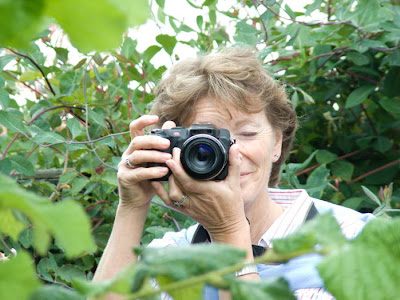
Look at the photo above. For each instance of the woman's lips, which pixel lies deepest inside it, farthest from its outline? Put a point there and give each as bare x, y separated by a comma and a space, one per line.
244, 174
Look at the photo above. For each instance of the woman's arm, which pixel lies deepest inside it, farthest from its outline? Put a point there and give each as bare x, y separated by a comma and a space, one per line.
126, 234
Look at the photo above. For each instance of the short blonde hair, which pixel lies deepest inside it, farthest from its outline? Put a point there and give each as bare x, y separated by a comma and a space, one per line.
233, 76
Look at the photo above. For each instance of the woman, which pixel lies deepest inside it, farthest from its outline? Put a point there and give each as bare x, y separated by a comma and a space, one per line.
229, 89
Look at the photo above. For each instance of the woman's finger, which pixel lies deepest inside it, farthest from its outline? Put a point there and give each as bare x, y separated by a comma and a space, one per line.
168, 125
161, 192
234, 164
148, 156
140, 174
144, 142
174, 191
182, 178
136, 127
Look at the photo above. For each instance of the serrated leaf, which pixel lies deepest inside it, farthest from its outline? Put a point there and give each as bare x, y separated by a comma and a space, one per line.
22, 165
342, 169
368, 267
72, 234
53, 292
18, 277
4, 98
359, 95
167, 42
268, 289
322, 231
191, 261
11, 122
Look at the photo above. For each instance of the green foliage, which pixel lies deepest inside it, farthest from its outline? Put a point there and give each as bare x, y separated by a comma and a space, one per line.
62, 144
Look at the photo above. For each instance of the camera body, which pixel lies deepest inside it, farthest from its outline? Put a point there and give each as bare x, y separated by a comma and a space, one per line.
204, 150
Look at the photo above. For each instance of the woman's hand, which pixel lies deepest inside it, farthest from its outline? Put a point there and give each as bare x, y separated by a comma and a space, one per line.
135, 189
217, 205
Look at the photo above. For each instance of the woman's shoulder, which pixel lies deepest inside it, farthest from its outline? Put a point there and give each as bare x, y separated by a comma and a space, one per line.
351, 221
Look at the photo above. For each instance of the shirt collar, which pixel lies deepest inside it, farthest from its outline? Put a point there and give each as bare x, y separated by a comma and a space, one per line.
296, 204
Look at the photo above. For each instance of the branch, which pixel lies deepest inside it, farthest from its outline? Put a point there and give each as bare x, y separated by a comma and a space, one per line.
314, 24
376, 170
361, 76
261, 20
25, 84
37, 66
35, 117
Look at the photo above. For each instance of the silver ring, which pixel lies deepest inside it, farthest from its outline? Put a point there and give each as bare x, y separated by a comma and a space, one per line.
183, 201
128, 163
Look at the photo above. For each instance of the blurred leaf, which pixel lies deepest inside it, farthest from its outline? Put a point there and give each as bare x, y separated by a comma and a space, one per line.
5, 166
191, 261
69, 272
312, 7
266, 289
75, 127
73, 234
9, 224
323, 230
382, 144
18, 277
19, 21
245, 33
136, 11
5, 59
54, 292
359, 95
375, 254
103, 32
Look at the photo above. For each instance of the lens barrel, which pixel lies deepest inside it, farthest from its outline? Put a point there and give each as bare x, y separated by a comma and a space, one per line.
203, 156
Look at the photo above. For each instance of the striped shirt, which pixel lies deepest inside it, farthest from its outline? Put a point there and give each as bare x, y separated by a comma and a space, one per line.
296, 204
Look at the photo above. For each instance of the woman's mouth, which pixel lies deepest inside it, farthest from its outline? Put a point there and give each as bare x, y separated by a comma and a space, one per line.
244, 174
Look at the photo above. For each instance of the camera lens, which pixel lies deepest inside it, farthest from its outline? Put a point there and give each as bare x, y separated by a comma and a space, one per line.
203, 156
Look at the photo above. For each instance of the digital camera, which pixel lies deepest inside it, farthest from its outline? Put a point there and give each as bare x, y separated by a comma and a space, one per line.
204, 150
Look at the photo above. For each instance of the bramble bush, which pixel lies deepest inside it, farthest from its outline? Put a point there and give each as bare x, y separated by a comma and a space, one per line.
340, 63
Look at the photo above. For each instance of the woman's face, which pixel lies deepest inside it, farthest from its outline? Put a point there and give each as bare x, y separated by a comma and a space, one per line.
257, 140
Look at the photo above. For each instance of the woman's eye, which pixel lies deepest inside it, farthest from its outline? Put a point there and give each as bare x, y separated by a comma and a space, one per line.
248, 133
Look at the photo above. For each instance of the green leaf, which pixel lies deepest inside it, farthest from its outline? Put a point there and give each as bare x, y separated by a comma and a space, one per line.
11, 122
48, 137
167, 42
382, 144
77, 185
22, 165
322, 230
297, 167
307, 97
5, 166
391, 105
19, 21
245, 33
368, 267
325, 157
103, 32
54, 292
358, 58
150, 52
359, 95
72, 234
313, 6
266, 289
317, 181
96, 117
5, 59
342, 169
136, 11
394, 58
18, 277
75, 127
68, 272
371, 195
200, 21
4, 98
187, 261
26, 238
391, 82
9, 225
193, 292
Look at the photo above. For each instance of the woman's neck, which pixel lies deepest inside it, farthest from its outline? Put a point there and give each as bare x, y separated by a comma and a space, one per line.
262, 214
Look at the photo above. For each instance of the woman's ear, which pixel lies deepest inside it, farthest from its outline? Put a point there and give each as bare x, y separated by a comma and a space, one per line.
277, 151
